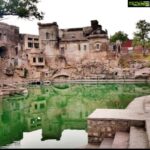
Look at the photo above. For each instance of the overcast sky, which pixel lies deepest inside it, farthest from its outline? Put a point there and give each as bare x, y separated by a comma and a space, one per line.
113, 15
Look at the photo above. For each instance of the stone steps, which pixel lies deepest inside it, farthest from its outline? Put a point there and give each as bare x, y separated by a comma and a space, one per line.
128, 128
106, 143
138, 138
121, 140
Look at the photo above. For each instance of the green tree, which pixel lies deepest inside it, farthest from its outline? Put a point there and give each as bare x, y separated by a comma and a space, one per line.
21, 8
120, 35
141, 37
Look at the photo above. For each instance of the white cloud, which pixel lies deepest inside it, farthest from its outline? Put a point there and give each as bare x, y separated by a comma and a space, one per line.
113, 15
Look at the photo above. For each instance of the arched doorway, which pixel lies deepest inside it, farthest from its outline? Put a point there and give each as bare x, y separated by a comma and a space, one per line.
3, 51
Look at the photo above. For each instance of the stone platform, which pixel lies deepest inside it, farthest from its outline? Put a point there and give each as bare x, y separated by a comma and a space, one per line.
121, 125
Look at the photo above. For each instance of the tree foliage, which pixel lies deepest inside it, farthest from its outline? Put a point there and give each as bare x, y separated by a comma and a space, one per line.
21, 8
120, 35
141, 37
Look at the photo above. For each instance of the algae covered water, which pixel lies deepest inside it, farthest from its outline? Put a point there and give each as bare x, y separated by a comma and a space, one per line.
55, 116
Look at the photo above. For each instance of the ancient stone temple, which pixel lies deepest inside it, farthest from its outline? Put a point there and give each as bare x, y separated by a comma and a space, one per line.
53, 50
72, 43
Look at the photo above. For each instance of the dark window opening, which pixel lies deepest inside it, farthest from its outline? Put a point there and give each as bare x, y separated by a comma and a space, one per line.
32, 121
35, 106
30, 39
97, 46
42, 106
85, 47
36, 45
16, 49
40, 59
34, 59
3, 52
73, 36
52, 35
30, 45
79, 47
16, 31
36, 39
47, 35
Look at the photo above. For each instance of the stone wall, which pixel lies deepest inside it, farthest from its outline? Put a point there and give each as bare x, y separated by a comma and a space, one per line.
48, 35
100, 129
75, 50
9, 39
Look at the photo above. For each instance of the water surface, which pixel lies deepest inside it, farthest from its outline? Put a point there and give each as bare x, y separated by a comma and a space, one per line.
55, 116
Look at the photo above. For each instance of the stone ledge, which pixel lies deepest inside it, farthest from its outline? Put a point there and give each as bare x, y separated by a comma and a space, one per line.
137, 104
116, 114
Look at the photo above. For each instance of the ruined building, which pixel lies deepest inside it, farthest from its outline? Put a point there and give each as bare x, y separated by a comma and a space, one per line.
53, 47
72, 43
31, 52
52, 41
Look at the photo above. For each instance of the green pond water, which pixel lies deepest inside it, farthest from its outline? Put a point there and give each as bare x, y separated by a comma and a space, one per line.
55, 116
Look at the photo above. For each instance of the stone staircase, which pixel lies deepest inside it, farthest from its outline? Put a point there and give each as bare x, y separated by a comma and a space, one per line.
136, 138
136, 135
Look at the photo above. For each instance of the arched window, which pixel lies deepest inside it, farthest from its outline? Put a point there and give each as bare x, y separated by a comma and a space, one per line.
98, 46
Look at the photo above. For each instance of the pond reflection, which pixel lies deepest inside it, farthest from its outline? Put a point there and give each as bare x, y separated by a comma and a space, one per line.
50, 112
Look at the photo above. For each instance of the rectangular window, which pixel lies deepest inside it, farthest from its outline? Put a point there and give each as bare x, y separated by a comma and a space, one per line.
30, 39
34, 59
97, 46
35, 106
40, 59
16, 49
36, 39
79, 47
52, 35
36, 45
42, 106
30, 45
85, 47
47, 35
